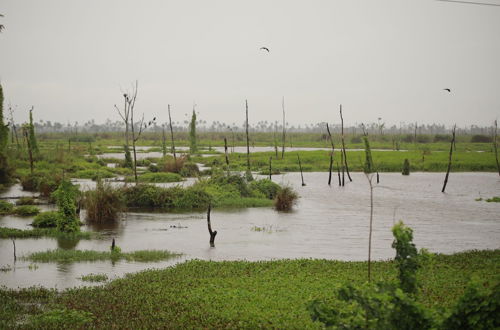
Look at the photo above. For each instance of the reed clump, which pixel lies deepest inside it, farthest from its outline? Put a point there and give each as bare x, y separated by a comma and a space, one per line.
285, 199
103, 204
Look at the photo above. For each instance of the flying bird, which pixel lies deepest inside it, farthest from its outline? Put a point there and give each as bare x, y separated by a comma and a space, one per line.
447, 89
265, 48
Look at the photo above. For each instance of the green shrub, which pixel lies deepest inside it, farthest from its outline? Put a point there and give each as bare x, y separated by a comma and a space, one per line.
65, 197
26, 210
6, 207
189, 170
285, 199
478, 308
479, 138
47, 219
265, 187
149, 196
194, 197
26, 200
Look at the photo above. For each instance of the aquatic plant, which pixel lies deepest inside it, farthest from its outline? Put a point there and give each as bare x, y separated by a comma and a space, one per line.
6, 207
47, 219
103, 204
26, 200
26, 210
285, 199
406, 167
68, 256
94, 277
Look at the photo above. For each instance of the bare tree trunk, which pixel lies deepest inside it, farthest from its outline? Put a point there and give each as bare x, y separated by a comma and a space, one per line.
343, 147
248, 141
495, 146
227, 158
300, 167
172, 134
212, 233
133, 147
338, 173
330, 169
163, 141
449, 158
331, 154
343, 168
270, 167
284, 129
14, 243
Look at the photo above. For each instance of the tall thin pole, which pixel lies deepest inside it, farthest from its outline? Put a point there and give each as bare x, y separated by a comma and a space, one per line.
449, 158
248, 141
343, 147
172, 134
284, 128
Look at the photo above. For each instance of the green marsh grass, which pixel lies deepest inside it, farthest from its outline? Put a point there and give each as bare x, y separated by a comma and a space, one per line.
69, 256
6, 232
240, 294
94, 278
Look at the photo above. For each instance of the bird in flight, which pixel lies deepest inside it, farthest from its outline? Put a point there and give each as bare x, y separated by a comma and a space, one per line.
447, 89
265, 48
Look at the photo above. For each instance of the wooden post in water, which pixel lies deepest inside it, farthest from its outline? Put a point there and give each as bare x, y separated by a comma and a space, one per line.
449, 158
343, 168
227, 157
212, 233
14, 243
338, 174
113, 245
331, 155
284, 129
300, 167
172, 134
248, 141
378, 178
495, 146
344, 162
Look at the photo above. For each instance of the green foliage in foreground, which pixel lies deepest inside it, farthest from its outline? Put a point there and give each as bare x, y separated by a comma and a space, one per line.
6, 232
241, 294
68, 256
392, 305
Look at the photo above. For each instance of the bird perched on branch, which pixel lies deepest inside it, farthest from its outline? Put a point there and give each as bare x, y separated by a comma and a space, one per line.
264, 48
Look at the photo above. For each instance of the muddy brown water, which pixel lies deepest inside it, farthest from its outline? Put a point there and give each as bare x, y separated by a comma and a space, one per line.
328, 222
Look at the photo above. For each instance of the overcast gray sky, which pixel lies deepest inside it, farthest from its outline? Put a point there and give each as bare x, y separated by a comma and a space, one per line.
379, 58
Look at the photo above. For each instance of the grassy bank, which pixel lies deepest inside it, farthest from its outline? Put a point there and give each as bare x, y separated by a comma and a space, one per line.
384, 161
204, 294
6, 232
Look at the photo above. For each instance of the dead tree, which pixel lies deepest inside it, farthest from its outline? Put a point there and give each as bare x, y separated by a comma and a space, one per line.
331, 155
495, 146
338, 173
212, 233
300, 167
163, 141
344, 163
128, 103
136, 135
275, 139
284, 129
172, 134
248, 140
227, 157
449, 158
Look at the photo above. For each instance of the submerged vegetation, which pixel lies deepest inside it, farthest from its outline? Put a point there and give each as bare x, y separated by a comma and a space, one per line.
272, 294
